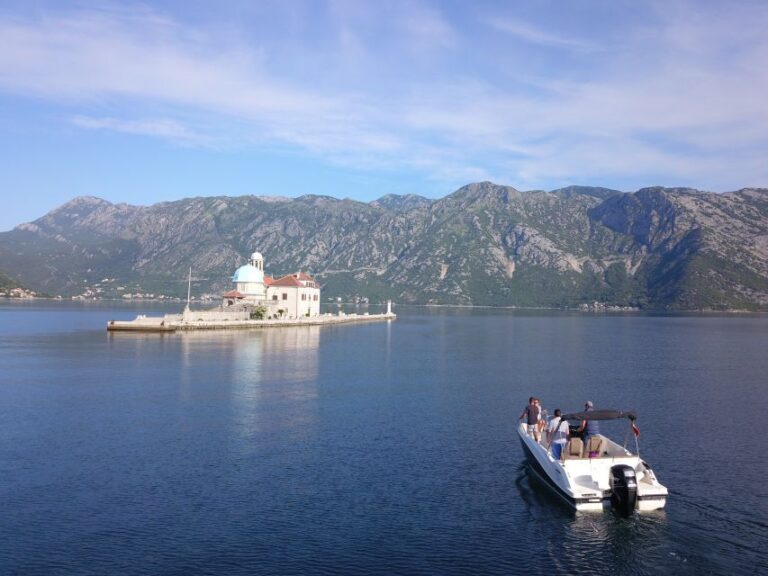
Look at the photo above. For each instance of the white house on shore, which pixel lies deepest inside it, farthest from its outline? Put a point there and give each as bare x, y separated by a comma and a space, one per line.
291, 296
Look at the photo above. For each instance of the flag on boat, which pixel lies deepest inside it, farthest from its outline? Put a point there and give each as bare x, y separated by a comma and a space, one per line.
635, 429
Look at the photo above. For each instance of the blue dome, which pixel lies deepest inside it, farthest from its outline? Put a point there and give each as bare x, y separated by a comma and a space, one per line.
248, 273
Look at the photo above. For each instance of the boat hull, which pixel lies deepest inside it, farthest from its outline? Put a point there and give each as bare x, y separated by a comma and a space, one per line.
583, 483
545, 474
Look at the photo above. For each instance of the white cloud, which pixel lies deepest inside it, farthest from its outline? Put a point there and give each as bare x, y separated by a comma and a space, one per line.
681, 96
92, 55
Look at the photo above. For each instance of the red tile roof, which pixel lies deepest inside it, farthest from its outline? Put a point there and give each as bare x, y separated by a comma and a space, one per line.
305, 277
268, 280
232, 294
289, 280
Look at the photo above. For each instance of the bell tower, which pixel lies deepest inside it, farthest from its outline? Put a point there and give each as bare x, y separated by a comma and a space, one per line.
257, 261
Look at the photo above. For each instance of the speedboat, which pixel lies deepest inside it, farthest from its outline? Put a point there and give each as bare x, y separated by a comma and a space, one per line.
602, 474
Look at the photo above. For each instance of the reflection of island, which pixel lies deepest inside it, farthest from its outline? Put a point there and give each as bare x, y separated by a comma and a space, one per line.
259, 355
267, 377
292, 354
298, 338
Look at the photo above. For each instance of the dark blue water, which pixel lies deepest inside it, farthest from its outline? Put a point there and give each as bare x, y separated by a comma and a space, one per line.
369, 449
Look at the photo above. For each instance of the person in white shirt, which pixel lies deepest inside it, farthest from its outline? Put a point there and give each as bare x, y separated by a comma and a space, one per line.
557, 432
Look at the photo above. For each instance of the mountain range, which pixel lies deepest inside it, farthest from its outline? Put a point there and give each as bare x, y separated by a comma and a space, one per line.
485, 244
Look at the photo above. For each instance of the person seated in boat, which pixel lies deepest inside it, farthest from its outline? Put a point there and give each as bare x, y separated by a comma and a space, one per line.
557, 434
532, 414
588, 427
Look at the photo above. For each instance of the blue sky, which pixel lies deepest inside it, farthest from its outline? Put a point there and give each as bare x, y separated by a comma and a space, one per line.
148, 102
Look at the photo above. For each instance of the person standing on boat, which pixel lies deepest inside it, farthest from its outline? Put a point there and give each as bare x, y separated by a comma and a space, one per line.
557, 433
543, 417
532, 414
588, 427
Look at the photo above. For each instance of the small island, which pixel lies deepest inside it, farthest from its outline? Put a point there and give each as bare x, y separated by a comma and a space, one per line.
256, 301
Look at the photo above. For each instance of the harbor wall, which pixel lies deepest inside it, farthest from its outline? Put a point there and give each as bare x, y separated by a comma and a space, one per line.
214, 315
214, 321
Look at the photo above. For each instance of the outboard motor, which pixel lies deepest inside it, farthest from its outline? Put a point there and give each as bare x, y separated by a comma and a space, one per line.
623, 489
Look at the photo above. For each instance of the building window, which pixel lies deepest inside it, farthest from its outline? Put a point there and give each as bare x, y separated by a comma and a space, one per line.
303, 296
285, 295
274, 297
314, 298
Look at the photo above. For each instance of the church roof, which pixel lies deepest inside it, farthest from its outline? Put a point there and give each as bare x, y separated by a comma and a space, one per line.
289, 280
232, 294
247, 273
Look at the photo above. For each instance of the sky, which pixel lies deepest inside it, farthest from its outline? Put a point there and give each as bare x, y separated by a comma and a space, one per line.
156, 101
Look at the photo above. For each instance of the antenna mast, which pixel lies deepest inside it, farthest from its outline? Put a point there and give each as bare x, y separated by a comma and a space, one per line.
189, 286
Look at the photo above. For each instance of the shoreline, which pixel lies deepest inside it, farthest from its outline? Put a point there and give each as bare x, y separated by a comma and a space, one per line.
607, 309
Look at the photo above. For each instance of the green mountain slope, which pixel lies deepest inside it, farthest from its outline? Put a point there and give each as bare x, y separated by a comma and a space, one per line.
6, 282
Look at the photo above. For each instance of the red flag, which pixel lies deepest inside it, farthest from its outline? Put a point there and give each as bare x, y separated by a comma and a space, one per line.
635, 429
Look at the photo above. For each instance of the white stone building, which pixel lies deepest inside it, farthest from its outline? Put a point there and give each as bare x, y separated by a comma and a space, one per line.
295, 294
291, 296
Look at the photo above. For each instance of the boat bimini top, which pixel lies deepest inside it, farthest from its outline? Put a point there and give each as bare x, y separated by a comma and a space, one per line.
601, 414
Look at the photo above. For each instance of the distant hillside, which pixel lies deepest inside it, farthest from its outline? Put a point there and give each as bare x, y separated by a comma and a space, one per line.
484, 244
6, 282
9, 287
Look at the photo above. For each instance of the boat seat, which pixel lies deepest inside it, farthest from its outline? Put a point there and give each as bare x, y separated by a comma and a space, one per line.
594, 448
573, 449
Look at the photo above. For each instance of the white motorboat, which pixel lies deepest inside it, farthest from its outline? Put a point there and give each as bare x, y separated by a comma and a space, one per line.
599, 475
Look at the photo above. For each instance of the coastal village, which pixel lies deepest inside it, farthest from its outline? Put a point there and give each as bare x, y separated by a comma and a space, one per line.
255, 300
21, 293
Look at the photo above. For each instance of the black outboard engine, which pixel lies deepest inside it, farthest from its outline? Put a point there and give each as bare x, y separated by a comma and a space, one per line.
623, 489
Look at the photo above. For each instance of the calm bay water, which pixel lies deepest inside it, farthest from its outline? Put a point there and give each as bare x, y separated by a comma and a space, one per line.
369, 449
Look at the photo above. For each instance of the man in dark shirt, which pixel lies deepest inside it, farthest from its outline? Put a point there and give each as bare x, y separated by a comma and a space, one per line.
588, 427
532, 414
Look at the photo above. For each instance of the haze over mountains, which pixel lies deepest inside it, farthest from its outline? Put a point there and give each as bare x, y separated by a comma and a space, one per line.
485, 244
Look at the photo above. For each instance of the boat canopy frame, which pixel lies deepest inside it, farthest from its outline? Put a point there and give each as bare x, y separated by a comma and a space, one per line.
601, 414
610, 414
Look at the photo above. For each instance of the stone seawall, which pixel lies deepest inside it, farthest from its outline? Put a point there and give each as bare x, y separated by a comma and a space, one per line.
174, 322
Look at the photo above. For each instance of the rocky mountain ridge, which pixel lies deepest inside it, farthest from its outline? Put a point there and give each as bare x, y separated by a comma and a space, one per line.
485, 244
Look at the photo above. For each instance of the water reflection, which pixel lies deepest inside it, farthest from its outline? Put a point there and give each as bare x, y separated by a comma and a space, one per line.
294, 352
269, 376
253, 355
597, 542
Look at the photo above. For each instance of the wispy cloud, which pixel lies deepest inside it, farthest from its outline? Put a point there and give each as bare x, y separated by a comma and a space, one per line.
159, 128
529, 33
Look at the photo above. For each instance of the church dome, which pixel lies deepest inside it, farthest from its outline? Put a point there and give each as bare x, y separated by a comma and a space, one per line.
257, 256
248, 273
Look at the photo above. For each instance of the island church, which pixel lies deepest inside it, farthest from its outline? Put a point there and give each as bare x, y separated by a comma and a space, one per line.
291, 296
